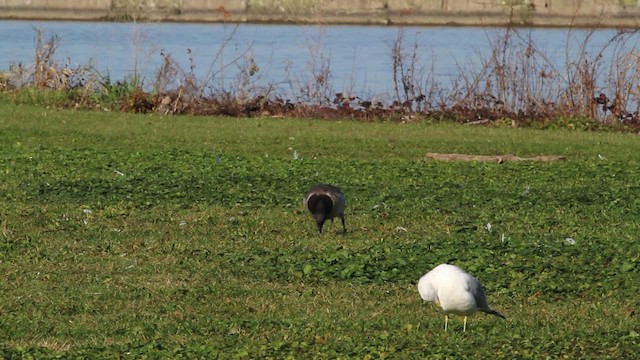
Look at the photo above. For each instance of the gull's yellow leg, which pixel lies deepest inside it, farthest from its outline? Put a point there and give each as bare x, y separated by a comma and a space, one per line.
446, 320
464, 327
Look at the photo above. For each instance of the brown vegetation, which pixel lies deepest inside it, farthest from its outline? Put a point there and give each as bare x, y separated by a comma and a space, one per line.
516, 85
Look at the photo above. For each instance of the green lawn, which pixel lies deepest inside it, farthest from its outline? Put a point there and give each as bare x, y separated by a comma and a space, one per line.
135, 235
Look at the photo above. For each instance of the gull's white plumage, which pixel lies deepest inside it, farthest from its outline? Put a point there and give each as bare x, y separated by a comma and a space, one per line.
456, 291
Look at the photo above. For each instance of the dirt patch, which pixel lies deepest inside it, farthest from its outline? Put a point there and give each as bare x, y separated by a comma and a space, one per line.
495, 158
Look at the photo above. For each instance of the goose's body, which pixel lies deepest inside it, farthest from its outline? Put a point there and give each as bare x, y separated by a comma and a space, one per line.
325, 202
456, 291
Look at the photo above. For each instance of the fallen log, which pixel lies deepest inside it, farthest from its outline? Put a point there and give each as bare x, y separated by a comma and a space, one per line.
496, 158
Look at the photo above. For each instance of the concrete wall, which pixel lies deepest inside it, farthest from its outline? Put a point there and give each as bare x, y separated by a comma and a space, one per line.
612, 13
54, 9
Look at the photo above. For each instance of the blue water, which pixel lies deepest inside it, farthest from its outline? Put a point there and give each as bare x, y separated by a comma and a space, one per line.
358, 57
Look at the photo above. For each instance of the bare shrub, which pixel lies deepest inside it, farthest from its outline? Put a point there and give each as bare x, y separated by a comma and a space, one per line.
623, 82
46, 73
617, 97
179, 91
514, 78
414, 84
64, 83
518, 79
581, 77
313, 84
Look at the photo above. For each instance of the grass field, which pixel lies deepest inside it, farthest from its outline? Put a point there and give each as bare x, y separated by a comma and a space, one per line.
184, 237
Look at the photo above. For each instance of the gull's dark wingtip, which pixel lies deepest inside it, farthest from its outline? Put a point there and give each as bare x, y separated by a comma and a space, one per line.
493, 312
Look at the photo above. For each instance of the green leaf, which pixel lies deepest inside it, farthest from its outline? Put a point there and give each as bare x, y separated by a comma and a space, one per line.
307, 269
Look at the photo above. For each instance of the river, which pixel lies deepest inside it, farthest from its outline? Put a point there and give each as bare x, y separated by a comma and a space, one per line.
358, 59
